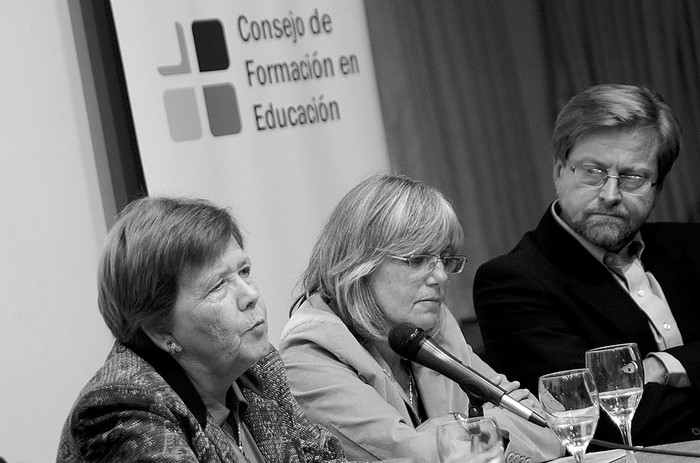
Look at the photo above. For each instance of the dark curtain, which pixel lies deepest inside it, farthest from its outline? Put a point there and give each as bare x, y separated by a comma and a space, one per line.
470, 89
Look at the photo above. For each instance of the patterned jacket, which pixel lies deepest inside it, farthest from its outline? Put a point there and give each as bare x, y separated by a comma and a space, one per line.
142, 407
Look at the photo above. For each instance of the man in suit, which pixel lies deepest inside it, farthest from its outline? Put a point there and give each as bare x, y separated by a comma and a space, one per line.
593, 273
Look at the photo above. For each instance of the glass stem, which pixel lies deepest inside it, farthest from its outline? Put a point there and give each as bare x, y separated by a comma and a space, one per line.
626, 430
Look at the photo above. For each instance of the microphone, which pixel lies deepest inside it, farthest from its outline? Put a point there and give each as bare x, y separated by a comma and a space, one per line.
415, 344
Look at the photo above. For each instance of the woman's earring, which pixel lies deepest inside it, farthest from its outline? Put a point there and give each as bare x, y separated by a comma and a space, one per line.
174, 348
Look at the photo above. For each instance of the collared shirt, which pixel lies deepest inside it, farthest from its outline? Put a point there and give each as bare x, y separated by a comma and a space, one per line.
227, 419
626, 266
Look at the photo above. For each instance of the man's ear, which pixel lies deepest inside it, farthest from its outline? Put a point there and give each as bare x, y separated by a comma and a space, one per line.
558, 167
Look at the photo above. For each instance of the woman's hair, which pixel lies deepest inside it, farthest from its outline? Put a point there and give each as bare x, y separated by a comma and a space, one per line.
619, 107
146, 251
383, 215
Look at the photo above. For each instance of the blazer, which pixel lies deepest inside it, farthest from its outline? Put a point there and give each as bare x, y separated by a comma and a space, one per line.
142, 407
549, 300
348, 388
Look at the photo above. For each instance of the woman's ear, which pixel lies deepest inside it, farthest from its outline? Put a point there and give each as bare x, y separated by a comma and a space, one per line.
164, 340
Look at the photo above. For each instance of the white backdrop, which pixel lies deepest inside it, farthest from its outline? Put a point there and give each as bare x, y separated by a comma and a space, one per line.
52, 215
270, 108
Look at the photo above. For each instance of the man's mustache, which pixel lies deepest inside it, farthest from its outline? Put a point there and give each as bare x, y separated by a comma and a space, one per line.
617, 211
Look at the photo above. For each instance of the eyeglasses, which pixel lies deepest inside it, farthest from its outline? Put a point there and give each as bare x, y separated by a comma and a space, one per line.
427, 262
594, 176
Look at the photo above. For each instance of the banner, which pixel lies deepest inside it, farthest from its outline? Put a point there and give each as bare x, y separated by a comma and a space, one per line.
269, 108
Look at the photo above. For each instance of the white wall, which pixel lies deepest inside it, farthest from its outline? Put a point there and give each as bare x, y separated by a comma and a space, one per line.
51, 228
52, 225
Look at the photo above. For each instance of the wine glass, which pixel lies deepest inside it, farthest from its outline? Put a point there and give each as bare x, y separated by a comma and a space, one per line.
476, 440
570, 402
619, 375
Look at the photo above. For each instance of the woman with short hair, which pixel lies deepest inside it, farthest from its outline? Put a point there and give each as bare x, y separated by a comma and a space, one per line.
192, 376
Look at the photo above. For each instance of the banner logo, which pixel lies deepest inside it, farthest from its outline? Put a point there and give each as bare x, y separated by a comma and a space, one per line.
220, 100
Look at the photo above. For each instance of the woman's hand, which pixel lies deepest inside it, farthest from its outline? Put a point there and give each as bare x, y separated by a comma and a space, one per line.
503, 383
512, 388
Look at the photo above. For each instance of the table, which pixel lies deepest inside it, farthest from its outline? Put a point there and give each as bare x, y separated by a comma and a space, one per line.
691, 446
617, 456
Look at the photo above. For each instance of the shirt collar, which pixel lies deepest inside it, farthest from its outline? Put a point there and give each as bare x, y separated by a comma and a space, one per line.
220, 411
636, 245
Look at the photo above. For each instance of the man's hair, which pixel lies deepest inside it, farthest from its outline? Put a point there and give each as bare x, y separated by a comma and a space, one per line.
383, 215
619, 107
145, 253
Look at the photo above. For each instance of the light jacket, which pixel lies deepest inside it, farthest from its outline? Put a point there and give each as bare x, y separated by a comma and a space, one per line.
348, 388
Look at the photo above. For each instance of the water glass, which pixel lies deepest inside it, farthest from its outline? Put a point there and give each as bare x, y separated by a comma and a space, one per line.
473, 440
619, 376
570, 402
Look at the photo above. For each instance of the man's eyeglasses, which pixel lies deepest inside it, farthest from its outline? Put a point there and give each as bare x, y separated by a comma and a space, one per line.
594, 176
427, 262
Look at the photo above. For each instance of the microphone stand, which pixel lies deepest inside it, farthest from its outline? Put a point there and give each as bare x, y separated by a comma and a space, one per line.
476, 410
476, 405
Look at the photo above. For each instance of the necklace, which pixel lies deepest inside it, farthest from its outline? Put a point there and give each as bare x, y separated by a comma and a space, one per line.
239, 439
414, 402
411, 387
412, 394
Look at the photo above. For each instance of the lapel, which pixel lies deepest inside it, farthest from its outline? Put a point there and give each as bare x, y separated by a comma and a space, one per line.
177, 379
270, 415
436, 391
442, 394
264, 420
580, 273
393, 393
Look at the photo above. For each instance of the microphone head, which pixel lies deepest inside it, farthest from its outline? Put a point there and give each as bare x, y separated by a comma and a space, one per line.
406, 340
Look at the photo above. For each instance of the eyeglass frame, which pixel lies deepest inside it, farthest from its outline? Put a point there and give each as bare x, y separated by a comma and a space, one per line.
641, 191
433, 262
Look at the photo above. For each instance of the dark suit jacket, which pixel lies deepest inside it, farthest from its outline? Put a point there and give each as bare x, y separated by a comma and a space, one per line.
142, 407
541, 306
